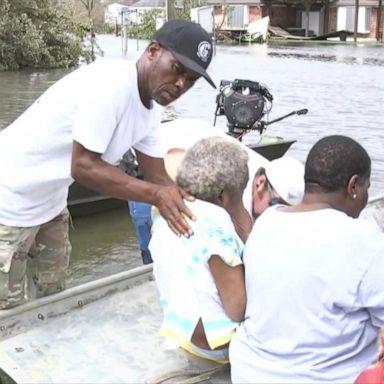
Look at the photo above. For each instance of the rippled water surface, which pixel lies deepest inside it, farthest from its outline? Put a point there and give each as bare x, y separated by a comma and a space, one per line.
341, 85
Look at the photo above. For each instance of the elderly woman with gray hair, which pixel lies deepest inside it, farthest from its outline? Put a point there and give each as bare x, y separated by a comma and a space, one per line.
201, 279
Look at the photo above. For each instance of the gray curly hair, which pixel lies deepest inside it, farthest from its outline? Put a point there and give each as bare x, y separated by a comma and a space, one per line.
212, 165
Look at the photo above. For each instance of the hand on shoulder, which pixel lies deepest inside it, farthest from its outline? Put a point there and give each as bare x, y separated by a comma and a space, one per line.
169, 201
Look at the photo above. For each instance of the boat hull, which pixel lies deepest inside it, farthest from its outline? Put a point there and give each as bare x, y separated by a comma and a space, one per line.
272, 147
82, 201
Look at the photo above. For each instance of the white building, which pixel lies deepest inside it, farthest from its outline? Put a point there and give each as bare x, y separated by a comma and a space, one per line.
131, 11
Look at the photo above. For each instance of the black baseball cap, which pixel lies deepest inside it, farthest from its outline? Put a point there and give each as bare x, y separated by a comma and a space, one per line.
190, 43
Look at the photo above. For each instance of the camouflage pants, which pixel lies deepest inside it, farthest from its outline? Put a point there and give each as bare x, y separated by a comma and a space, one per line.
33, 260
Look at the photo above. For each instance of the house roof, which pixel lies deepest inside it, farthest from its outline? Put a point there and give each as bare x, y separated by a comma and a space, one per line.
362, 3
233, 2
150, 3
126, 3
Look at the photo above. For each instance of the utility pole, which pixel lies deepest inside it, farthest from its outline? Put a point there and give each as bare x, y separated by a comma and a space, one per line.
326, 17
378, 22
307, 5
124, 30
356, 20
170, 9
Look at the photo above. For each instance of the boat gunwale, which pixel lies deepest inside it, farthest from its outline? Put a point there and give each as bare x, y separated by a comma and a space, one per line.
16, 320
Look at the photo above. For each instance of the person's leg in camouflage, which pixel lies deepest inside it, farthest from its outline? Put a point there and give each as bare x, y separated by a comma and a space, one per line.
49, 257
15, 243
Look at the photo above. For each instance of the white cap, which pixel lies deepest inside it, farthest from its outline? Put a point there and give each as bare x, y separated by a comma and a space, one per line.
286, 176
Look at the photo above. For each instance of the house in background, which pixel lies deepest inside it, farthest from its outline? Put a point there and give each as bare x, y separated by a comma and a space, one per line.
300, 17
132, 11
113, 12
204, 16
320, 17
342, 16
234, 14
140, 7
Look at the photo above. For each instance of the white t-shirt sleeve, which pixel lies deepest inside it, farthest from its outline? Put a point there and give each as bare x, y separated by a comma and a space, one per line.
97, 115
371, 292
150, 144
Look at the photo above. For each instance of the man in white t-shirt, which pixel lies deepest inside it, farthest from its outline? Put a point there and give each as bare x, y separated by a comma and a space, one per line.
77, 130
314, 278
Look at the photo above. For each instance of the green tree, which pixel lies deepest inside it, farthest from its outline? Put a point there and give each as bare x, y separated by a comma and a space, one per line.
89, 5
39, 34
146, 29
184, 12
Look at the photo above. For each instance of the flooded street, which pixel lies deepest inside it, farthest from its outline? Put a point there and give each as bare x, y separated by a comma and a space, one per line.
102, 244
341, 85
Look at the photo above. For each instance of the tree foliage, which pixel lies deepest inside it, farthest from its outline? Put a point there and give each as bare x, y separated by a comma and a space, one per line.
147, 26
39, 34
184, 12
89, 5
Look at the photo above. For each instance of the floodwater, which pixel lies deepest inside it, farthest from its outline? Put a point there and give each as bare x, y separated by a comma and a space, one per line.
342, 85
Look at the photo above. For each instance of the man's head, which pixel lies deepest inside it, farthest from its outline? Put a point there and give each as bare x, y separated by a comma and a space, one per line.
179, 54
339, 166
279, 182
213, 166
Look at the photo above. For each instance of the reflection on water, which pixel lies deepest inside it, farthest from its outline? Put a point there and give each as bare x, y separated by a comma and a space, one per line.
341, 53
325, 57
341, 85
19, 89
103, 244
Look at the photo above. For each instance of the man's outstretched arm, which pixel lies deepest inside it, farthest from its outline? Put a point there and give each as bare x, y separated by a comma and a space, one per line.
90, 170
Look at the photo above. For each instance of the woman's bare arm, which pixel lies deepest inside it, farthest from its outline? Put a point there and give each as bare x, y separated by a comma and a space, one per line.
230, 283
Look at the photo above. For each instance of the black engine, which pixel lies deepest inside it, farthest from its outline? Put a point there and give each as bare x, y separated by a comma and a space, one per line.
244, 103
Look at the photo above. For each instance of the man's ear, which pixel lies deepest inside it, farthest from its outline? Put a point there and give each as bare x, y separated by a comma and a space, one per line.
153, 49
259, 183
221, 198
352, 188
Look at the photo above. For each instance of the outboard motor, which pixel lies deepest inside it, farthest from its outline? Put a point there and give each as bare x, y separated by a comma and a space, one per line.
244, 103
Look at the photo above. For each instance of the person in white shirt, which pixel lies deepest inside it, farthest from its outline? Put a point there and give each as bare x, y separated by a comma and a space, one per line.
77, 130
281, 181
201, 279
314, 284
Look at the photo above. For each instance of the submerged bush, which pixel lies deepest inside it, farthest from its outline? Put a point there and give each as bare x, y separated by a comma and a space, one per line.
38, 34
